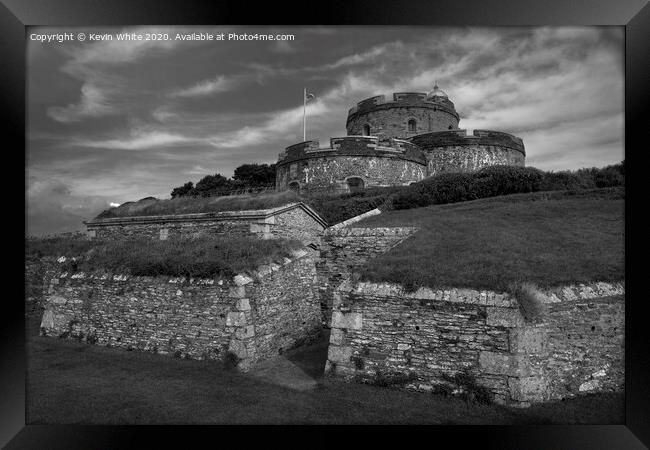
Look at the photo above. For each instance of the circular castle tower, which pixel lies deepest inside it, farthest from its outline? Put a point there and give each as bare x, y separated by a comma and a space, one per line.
395, 143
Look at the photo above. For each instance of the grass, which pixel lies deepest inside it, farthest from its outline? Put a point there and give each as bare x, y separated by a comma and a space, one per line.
75, 383
546, 238
530, 301
203, 256
188, 205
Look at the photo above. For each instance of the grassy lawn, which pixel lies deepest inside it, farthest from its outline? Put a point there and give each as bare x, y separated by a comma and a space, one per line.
549, 239
75, 383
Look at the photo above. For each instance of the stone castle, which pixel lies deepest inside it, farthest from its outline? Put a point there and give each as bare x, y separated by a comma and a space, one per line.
395, 143
375, 330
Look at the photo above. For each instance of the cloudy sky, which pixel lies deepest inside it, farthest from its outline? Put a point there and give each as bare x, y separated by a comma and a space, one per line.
116, 121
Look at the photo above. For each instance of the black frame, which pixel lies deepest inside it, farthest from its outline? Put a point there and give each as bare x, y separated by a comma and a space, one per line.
633, 14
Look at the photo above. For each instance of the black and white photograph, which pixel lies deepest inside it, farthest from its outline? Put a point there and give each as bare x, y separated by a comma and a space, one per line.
383, 213
325, 225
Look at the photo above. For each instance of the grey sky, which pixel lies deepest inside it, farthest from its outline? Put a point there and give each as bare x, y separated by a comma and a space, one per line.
116, 121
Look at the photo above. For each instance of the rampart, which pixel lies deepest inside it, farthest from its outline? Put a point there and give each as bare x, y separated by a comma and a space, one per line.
391, 118
345, 249
375, 161
248, 318
430, 336
293, 221
456, 151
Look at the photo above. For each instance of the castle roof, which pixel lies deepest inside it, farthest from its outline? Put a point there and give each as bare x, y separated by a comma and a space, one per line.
437, 92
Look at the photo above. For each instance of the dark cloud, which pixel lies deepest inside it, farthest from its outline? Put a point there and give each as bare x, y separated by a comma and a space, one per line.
117, 121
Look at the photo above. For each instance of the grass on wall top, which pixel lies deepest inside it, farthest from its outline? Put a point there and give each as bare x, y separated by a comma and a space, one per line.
549, 239
188, 205
203, 256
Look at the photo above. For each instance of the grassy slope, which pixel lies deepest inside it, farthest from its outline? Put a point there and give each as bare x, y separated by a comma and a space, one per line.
490, 243
70, 382
191, 205
203, 256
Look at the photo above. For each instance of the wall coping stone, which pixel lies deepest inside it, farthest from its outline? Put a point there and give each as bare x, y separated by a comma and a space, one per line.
240, 279
252, 214
370, 232
484, 297
350, 221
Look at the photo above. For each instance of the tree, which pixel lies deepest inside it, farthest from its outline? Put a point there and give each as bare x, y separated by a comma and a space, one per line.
215, 184
255, 175
183, 190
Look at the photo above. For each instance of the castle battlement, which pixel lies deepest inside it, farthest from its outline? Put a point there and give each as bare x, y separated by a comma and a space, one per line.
351, 146
402, 99
394, 141
436, 139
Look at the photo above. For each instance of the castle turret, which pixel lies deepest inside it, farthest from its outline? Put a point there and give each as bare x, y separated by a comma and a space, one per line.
408, 114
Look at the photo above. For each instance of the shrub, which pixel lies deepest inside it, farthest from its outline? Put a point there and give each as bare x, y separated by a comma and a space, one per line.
565, 180
504, 180
458, 187
530, 300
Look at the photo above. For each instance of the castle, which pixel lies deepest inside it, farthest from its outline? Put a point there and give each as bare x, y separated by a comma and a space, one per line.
395, 143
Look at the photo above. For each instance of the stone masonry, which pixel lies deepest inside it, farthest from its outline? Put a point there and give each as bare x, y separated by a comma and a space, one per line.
250, 317
430, 334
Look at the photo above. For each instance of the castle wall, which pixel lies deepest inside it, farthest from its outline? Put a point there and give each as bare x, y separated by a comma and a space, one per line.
455, 151
392, 122
252, 317
345, 249
430, 335
286, 222
325, 171
470, 158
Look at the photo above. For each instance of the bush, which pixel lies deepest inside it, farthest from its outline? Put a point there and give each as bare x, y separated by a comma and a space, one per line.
565, 180
503, 180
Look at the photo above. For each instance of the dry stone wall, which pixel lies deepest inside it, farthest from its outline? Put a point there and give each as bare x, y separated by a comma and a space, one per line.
294, 221
429, 336
251, 317
345, 249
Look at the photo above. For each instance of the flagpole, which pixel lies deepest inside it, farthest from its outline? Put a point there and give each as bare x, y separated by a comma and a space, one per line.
304, 115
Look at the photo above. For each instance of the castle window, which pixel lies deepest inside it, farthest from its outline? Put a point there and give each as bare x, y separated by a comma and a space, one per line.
412, 125
355, 184
294, 186
450, 127
366, 130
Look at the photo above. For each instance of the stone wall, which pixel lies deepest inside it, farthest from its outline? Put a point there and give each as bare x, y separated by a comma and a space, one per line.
295, 221
390, 119
326, 170
345, 249
455, 151
429, 336
251, 317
